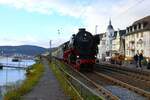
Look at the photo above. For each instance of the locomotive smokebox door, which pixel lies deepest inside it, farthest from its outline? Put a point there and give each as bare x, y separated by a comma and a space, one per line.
84, 40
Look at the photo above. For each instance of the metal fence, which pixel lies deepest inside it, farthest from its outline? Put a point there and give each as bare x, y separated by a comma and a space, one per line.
83, 90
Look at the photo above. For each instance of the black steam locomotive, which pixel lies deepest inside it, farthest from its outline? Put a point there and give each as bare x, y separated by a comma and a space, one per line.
81, 50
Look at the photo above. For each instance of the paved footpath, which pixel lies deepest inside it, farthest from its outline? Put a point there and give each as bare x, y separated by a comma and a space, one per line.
47, 88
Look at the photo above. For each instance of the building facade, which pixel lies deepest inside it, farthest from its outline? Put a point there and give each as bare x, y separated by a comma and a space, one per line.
112, 42
118, 43
137, 39
102, 46
109, 38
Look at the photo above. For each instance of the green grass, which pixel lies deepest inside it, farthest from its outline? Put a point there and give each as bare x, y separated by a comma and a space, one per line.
33, 76
68, 88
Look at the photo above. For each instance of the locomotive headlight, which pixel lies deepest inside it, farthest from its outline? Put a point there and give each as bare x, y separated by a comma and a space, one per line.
77, 56
147, 60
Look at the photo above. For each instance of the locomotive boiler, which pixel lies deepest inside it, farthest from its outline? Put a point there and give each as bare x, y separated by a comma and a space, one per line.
81, 50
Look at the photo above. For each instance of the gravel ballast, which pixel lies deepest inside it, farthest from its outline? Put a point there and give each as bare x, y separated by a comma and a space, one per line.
124, 94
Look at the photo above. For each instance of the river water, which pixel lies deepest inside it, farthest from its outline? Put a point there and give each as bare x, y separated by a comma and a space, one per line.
12, 75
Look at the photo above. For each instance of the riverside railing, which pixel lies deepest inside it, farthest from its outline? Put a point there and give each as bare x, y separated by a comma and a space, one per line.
84, 91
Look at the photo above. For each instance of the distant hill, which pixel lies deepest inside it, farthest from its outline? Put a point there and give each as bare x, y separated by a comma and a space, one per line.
23, 49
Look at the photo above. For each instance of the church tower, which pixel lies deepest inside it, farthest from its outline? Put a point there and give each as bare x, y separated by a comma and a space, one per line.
109, 38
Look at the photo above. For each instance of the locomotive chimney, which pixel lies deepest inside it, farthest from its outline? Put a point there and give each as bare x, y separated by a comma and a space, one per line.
81, 29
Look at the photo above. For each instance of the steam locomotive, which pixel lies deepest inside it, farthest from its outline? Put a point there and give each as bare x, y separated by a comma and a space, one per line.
80, 52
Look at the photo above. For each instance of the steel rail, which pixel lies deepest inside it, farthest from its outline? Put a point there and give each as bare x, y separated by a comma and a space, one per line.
126, 75
141, 72
125, 85
133, 75
98, 88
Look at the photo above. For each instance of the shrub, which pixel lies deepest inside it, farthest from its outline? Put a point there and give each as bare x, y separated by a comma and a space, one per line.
34, 74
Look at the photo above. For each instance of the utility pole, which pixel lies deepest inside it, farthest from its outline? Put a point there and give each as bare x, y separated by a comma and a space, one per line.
96, 29
50, 44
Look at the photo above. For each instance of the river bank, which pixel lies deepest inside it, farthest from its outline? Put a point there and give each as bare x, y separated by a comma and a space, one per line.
32, 77
11, 76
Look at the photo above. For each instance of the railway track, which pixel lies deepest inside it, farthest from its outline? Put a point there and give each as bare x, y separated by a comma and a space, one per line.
93, 85
106, 80
99, 81
98, 89
132, 76
127, 77
135, 72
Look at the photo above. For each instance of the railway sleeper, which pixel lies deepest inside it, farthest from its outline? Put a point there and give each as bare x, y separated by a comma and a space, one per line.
145, 73
129, 87
135, 75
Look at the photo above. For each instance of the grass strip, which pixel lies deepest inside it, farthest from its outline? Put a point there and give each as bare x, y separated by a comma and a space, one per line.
67, 87
81, 91
32, 77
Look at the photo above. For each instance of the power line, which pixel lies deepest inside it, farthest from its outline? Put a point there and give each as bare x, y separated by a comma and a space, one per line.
59, 31
131, 7
83, 11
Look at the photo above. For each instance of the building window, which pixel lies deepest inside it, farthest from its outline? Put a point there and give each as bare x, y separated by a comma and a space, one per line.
139, 26
134, 27
130, 28
142, 34
137, 35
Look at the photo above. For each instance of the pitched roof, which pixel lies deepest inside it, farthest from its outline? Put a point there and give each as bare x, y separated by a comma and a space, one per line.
145, 21
122, 32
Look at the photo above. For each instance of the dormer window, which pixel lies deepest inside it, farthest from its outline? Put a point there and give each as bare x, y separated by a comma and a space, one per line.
130, 28
139, 26
142, 26
134, 27
127, 30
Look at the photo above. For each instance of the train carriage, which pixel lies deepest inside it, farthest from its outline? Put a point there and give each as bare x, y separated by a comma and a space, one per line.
80, 52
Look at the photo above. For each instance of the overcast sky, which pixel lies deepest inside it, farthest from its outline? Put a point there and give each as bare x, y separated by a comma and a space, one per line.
36, 22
